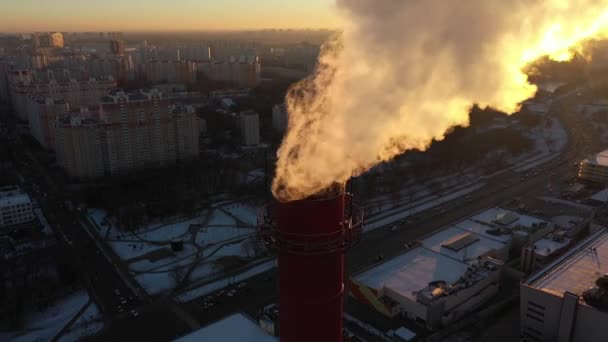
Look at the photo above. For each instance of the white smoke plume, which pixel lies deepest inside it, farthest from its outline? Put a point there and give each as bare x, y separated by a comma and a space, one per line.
404, 71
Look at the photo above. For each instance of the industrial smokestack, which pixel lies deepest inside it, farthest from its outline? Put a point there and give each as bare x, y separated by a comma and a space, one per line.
401, 73
311, 237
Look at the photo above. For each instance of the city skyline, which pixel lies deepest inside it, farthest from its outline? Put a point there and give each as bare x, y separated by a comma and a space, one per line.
156, 15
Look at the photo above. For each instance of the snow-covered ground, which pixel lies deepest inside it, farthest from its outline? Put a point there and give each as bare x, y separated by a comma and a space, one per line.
89, 323
208, 238
46, 324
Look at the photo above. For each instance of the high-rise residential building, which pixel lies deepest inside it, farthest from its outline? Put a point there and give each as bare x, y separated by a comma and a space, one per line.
119, 67
195, 53
117, 46
57, 39
279, 118
48, 40
19, 82
5, 67
42, 118
24, 89
15, 206
244, 71
38, 62
78, 146
170, 71
249, 124
134, 130
187, 131
139, 132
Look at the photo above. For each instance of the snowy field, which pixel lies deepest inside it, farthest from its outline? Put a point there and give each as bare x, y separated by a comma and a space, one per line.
46, 324
214, 240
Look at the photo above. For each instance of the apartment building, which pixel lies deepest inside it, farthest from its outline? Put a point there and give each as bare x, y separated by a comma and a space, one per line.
131, 131
15, 206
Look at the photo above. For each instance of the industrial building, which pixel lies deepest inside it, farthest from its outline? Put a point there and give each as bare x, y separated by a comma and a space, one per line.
311, 237
567, 300
234, 328
568, 230
450, 272
15, 206
595, 168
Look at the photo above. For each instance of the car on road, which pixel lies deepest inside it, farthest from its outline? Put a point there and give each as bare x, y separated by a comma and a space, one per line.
134, 313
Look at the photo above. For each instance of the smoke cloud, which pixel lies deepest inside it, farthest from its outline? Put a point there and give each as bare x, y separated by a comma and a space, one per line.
404, 71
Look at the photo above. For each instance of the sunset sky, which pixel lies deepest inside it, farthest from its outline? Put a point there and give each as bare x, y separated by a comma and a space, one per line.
143, 15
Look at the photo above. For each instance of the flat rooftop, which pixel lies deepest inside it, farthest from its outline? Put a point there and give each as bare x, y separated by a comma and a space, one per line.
234, 328
598, 159
576, 270
601, 196
546, 246
522, 220
460, 244
412, 271
11, 195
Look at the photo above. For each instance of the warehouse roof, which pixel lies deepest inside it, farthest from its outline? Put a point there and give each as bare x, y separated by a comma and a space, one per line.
412, 271
601, 196
577, 269
460, 244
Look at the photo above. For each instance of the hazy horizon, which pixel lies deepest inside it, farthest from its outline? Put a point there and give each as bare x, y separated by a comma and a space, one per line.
174, 16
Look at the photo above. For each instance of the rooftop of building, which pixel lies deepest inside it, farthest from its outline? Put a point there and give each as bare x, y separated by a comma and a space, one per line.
49, 101
234, 328
248, 112
601, 196
450, 253
115, 95
10, 195
460, 244
79, 119
500, 224
600, 159
550, 243
576, 270
414, 272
